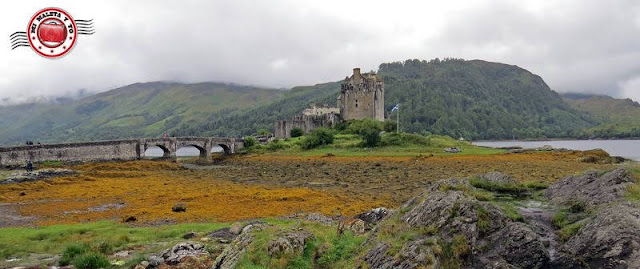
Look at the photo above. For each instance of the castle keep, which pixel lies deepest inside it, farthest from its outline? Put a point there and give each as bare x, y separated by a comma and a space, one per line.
361, 96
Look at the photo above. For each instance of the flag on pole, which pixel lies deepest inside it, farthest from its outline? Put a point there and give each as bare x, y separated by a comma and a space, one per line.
395, 107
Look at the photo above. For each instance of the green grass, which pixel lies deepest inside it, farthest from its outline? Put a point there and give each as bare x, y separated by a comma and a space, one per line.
326, 249
509, 188
510, 210
4, 174
19, 242
348, 145
568, 231
633, 192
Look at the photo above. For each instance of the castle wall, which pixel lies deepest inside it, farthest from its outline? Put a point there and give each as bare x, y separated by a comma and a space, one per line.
305, 122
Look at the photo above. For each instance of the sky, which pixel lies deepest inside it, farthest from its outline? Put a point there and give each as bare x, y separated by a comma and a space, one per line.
589, 46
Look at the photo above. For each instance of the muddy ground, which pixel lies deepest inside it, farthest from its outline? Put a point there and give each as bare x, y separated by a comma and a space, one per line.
256, 186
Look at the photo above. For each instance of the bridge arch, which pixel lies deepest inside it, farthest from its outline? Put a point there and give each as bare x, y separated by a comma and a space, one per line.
226, 150
166, 152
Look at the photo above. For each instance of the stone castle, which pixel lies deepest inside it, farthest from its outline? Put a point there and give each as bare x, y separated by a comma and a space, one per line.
361, 96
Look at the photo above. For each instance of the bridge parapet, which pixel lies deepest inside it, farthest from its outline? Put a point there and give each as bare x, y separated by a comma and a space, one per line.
113, 150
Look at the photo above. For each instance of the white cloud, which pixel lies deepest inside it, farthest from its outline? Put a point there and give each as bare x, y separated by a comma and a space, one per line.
574, 45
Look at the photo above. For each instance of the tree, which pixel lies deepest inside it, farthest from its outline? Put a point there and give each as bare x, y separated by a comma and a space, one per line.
250, 141
318, 137
263, 132
296, 132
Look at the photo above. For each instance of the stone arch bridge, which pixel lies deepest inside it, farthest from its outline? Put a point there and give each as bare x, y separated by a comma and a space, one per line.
114, 149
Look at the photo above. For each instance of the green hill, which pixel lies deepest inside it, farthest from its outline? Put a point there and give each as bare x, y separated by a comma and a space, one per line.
470, 99
618, 117
137, 110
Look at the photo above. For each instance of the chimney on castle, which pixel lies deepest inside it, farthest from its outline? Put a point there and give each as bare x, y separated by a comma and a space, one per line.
356, 73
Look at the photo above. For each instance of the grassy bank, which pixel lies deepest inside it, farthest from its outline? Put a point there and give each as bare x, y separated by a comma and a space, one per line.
350, 145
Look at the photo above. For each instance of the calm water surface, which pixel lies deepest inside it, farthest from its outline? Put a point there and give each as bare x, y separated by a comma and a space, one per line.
153, 152
625, 148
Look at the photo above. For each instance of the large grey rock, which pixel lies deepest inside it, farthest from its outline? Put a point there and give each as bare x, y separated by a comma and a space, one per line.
611, 239
234, 251
373, 216
293, 242
592, 188
178, 252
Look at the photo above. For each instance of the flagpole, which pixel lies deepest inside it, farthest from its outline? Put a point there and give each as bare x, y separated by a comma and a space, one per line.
398, 119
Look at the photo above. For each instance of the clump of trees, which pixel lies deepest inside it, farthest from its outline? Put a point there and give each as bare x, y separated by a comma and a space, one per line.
318, 137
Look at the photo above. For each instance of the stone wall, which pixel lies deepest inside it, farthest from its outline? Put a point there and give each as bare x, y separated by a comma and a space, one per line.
305, 122
89, 151
112, 150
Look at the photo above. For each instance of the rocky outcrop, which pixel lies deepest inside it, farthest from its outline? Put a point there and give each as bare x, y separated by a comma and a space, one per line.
37, 175
234, 251
592, 188
611, 239
473, 233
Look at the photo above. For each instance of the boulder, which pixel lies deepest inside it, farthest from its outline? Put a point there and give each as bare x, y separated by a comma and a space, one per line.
610, 239
189, 235
223, 234
289, 243
373, 216
178, 252
592, 188
236, 228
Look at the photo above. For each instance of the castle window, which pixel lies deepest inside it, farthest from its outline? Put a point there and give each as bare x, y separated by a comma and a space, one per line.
356, 102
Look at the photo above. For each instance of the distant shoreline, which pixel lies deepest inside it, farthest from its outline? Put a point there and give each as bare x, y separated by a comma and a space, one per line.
555, 139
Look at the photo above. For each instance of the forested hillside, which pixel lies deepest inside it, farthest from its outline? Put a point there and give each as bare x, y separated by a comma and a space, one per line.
478, 100
619, 118
137, 110
470, 99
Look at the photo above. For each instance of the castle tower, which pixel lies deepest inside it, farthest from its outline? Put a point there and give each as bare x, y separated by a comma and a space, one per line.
362, 96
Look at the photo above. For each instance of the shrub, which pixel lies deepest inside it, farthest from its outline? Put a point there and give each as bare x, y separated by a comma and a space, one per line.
263, 132
400, 139
296, 132
318, 137
91, 261
577, 206
70, 253
390, 126
340, 126
368, 129
276, 144
358, 126
370, 137
250, 141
